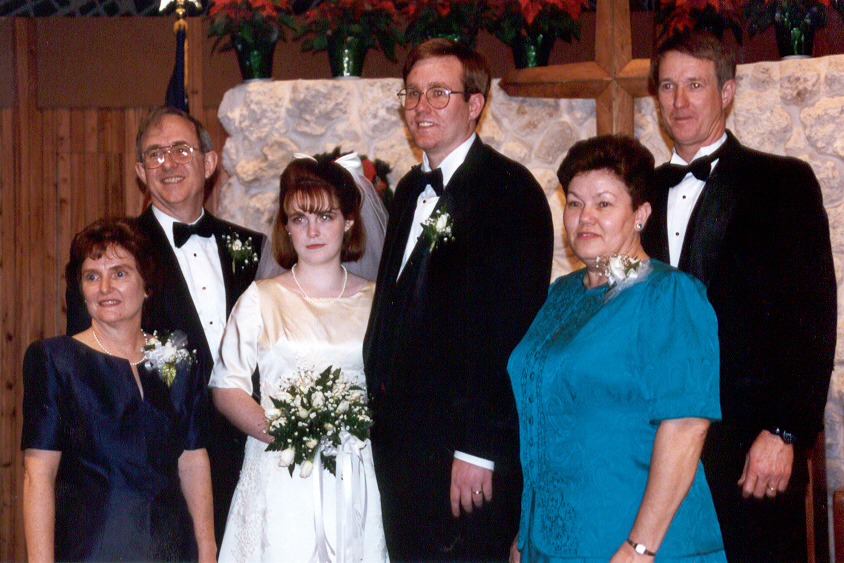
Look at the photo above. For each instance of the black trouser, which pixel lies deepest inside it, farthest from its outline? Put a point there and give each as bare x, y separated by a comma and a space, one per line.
767, 530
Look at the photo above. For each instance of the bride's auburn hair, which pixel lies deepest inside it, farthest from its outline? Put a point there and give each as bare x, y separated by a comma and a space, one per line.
318, 186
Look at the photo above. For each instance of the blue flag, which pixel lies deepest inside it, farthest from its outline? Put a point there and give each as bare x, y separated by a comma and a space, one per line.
176, 95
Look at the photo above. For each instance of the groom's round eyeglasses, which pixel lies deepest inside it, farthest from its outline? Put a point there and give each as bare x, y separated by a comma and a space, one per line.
181, 154
437, 97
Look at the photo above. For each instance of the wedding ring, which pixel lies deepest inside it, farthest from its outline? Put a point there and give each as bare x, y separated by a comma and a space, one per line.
772, 488
477, 492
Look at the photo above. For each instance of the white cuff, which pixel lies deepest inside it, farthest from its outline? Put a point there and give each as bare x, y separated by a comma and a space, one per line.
479, 461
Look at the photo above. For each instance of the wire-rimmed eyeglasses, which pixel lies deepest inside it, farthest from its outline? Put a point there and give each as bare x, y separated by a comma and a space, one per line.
180, 153
437, 97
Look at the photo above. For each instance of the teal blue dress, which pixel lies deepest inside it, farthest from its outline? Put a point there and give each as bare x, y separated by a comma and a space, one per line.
593, 377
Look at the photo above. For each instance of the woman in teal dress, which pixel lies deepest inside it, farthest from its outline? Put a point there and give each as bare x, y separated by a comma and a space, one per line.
616, 382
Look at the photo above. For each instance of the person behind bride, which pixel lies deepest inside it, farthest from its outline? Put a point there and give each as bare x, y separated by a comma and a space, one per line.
304, 320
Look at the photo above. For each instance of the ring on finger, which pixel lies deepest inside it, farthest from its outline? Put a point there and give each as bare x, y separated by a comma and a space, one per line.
476, 492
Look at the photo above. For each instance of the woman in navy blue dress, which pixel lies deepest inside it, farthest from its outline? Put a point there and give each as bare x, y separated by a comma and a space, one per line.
113, 435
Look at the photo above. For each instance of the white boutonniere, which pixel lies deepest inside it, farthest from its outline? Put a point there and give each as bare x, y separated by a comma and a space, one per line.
437, 228
622, 272
242, 252
311, 415
165, 353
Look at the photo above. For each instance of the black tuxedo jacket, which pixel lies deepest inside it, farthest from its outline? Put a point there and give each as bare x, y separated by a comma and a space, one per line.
171, 308
758, 239
440, 335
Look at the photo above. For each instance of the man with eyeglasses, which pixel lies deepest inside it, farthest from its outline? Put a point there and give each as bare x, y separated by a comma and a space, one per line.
202, 276
465, 267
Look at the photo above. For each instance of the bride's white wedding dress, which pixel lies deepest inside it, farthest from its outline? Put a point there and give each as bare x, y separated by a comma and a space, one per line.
272, 514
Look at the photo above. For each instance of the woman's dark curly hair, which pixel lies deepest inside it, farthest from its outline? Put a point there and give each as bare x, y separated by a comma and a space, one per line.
95, 239
624, 156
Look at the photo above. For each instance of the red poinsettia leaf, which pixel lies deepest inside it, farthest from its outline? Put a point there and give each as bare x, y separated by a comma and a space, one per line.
530, 11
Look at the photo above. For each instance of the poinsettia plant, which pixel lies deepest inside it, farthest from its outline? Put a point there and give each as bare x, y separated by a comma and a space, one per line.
248, 20
455, 19
371, 21
507, 19
715, 16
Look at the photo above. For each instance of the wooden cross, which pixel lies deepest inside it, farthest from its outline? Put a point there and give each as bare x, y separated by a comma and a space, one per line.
613, 79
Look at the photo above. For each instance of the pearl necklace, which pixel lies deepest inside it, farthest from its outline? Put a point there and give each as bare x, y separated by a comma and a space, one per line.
94, 332
342, 291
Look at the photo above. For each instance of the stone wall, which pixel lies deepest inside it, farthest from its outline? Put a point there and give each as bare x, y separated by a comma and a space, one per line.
790, 107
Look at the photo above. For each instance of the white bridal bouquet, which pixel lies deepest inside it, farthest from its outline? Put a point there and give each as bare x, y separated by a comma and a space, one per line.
310, 415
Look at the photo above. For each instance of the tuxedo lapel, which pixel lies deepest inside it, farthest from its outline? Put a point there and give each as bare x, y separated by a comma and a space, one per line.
708, 224
236, 275
413, 272
173, 308
388, 307
398, 244
655, 235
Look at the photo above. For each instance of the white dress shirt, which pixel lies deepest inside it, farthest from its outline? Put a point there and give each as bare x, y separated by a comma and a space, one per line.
683, 198
425, 205
428, 199
199, 261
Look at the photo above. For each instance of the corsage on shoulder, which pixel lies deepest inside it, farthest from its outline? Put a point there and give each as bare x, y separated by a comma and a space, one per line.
165, 353
622, 272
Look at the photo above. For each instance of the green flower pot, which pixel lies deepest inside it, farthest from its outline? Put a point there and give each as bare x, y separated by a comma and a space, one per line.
532, 50
255, 57
466, 38
795, 34
345, 55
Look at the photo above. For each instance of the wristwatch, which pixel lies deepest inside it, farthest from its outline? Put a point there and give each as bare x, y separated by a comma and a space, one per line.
786, 436
640, 549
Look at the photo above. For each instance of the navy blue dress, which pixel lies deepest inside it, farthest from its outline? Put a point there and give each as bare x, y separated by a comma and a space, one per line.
118, 496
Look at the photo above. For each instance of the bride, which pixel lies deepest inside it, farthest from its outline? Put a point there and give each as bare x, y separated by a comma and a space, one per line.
304, 320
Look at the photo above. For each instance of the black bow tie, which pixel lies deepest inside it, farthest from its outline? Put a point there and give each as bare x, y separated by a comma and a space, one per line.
435, 179
182, 231
700, 168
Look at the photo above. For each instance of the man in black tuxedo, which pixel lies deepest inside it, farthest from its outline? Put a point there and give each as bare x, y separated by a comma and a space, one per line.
752, 227
203, 274
453, 299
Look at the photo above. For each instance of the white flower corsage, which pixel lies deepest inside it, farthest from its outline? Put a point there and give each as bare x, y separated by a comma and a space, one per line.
241, 252
165, 353
437, 228
622, 272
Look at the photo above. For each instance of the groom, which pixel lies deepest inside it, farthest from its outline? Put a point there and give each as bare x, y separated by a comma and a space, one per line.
453, 299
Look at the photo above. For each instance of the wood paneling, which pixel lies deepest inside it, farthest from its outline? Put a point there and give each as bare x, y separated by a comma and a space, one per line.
60, 169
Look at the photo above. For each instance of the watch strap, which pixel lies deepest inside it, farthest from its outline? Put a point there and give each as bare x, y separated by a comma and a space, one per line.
640, 549
785, 435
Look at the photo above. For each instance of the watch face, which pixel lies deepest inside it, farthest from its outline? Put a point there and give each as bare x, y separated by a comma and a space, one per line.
640, 549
